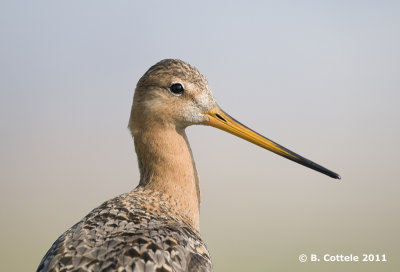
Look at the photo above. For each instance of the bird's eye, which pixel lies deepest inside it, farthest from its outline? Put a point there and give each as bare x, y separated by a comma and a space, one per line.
176, 89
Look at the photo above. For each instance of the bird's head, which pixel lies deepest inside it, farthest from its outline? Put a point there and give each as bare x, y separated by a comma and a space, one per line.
175, 94
171, 93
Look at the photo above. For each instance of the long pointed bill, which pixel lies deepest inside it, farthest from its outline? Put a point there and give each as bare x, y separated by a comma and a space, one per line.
219, 119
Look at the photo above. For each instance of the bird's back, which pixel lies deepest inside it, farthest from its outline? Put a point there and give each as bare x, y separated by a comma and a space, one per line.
131, 232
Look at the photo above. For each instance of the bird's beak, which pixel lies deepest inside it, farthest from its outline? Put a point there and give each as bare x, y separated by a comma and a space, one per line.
220, 119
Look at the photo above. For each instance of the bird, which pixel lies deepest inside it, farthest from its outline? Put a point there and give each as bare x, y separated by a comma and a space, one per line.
155, 227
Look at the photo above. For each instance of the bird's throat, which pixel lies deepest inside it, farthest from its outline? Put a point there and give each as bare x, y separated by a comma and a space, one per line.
166, 165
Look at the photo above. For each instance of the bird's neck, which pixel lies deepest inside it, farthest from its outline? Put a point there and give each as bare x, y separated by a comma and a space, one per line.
166, 165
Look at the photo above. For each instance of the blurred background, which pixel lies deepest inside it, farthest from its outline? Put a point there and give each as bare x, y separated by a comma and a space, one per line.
319, 77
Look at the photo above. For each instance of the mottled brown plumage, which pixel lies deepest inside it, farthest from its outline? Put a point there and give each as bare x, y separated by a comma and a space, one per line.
132, 232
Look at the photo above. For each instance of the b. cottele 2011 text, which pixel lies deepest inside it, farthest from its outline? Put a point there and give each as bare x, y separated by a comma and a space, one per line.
349, 258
